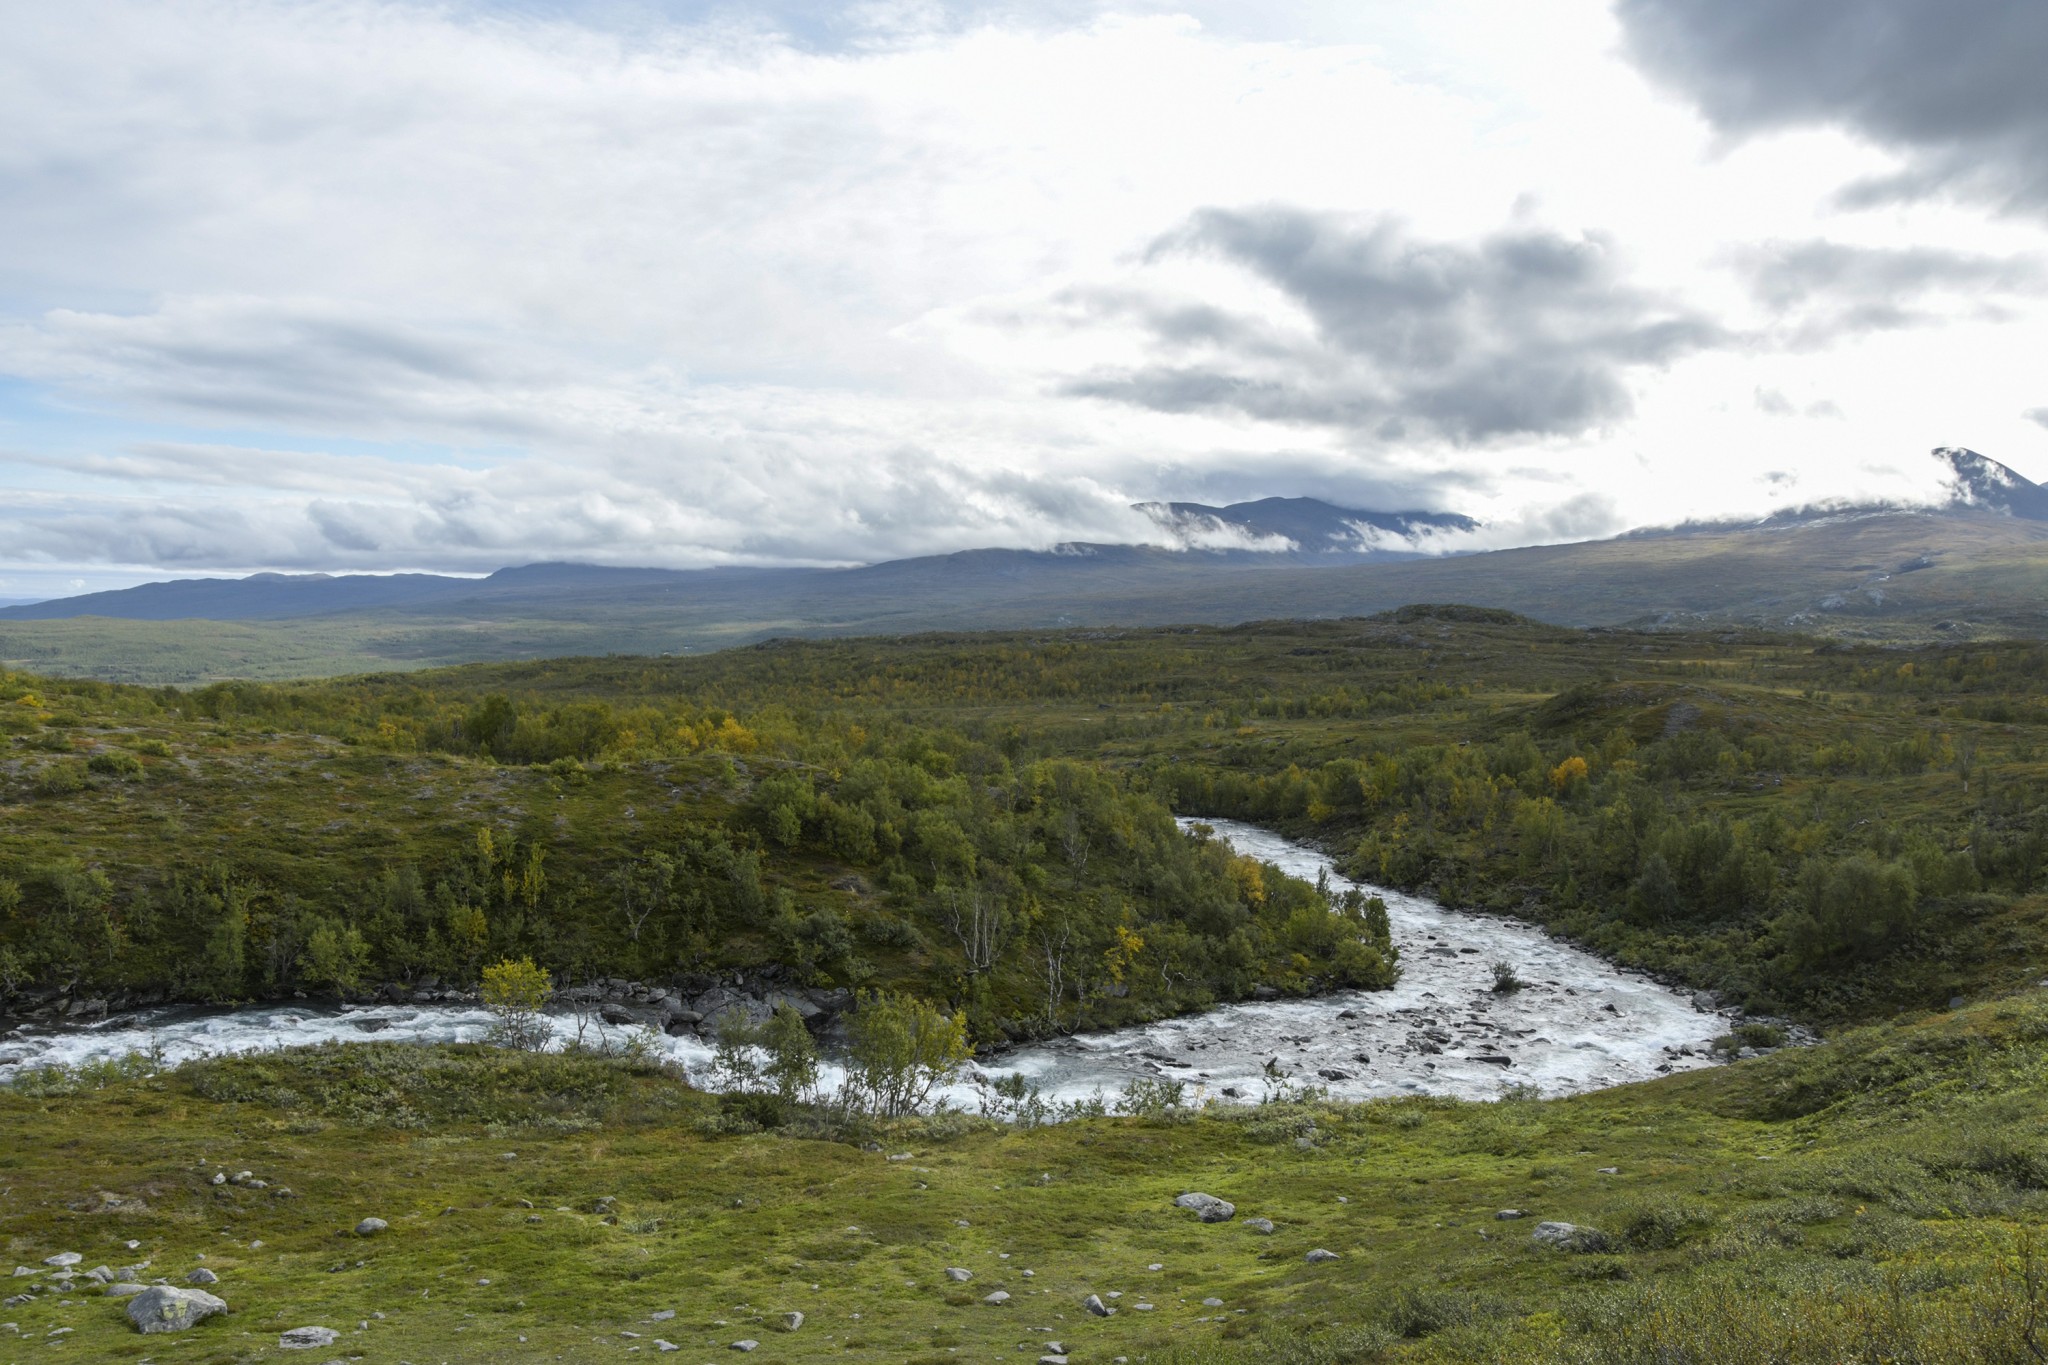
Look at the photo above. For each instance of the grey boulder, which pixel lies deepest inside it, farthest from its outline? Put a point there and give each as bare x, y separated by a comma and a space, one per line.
1094, 1304
307, 1338
202, 1276
1319, 1255
1568, 1237
1207, 1207
370, 1227
161, 1308
1262, 1226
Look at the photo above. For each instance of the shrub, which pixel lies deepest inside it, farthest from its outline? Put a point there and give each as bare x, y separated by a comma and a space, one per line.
516, 993
1658, 1225
1416, 1313
60, 779
115, 763
898, 1049
1153, 1097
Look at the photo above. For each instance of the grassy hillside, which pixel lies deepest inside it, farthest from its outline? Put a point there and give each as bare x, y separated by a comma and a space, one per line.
1876, 1198
1829, 831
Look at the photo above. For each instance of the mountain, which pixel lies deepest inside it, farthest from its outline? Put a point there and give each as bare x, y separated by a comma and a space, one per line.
1983, 482
1262, 534
1974, 566
1305, 527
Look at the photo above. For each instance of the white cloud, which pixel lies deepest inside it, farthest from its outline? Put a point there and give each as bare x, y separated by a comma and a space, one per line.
637, 293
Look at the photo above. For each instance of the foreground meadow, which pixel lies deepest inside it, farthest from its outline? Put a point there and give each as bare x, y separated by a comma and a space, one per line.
1873, 1198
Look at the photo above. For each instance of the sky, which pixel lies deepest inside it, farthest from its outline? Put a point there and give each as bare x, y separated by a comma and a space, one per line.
378, 285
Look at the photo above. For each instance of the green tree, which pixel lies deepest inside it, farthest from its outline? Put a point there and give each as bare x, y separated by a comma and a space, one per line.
335, 956
516, 993
792, 1056
899, 1049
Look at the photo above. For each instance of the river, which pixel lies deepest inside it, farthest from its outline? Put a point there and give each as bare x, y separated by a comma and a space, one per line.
1579, 1024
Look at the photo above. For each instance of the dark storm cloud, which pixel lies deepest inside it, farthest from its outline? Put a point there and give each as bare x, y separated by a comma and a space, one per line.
1956, 88
1822, 290
1522, 333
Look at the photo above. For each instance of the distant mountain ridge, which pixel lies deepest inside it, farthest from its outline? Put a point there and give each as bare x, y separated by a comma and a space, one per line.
1972, 566
1245, 534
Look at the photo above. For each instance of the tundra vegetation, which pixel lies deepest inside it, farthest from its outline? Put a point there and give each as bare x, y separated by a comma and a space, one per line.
975, 832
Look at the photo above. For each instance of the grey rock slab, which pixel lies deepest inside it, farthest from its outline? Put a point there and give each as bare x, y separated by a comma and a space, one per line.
123, 1290
790, 1321
958, 1275
1563, 1236
370, 1227
1207, 1207
307, 1338
999, 1298
161, 1308
745, 1344
1320, 1255
1262, 1226
202, 1276
63, 1258
1094, 1304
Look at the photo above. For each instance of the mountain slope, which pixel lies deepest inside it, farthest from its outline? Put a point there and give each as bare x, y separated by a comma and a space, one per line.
1308, 527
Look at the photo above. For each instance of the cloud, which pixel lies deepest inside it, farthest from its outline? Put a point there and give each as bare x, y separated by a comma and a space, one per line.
1772, 403
1821, 291
2037, 415
1954, 89
1523, 333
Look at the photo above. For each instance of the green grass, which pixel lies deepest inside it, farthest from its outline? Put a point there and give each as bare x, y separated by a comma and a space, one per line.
1803, 1207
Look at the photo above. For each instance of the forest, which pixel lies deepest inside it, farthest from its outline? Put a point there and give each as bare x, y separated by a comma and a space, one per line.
1817, 829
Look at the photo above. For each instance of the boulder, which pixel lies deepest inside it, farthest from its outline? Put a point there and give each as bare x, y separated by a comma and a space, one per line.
998, 1299
63, 1258
370, 1227
617, 1015
1319, 1255
790, 1321
1504, 1215
307, 1338
1568, 1237
1094, 1304
160, 1308
1262, 1226
746, 1344
1207, 1207
124, 1288
958, 1275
